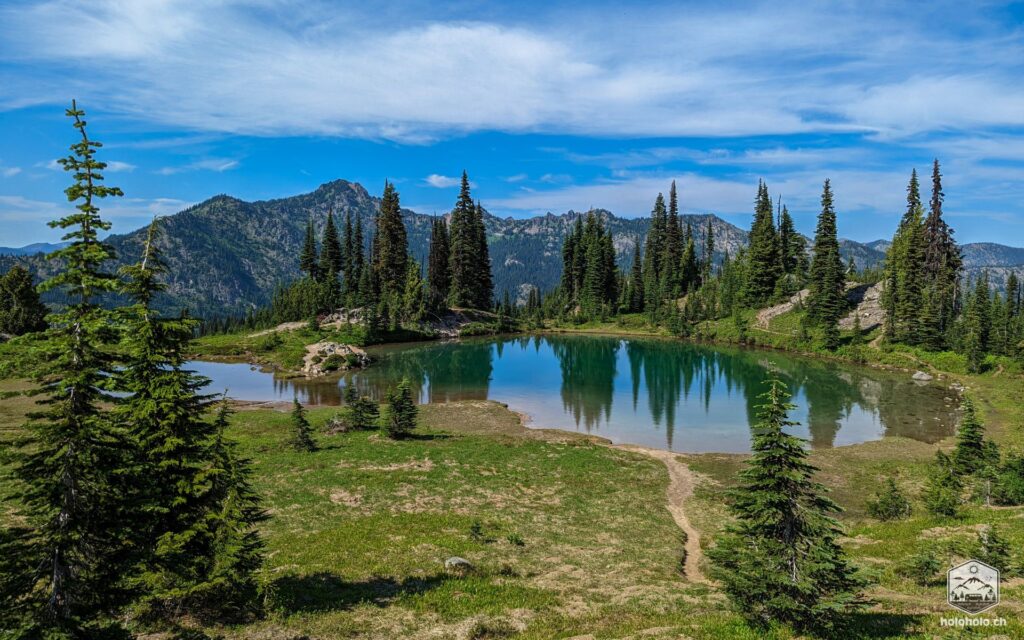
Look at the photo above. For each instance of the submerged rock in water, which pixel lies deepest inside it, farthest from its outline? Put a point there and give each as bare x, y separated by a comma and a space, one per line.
326, 357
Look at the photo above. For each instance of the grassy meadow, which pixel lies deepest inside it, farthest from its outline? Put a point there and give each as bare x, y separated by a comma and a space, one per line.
569, 537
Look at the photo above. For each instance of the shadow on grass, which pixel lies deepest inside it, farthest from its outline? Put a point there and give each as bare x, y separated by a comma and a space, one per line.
880, 625
427, 436
325, 591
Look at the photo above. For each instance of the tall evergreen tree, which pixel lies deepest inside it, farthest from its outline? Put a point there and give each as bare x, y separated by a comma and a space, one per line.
689, 269
331, 255
672, 279
780, 561
348, 249
390, 260
654, 253
463, 247
484, 280
827, 298
369, 292
573, 254
765, 263
164, 412
439, 275
70, 463
354, 276
792, 247
309, 261
905, 271
707, 261
636, 282
942, 267
21, 310
977, 324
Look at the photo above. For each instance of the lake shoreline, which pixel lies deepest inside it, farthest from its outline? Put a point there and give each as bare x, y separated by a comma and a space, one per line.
693, 397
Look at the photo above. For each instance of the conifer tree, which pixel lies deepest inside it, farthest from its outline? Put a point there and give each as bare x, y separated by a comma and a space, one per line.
439, 275
414, 297
398, 419
636, 282
463, 248
689, 269
331, 256
484, 280
69, 464
763, 252
354, 275
942, 492
21, 311
974, 335
889, 503
302, 433
780, 561
969, 454
707, 261
369, 292
674, 247
827, 298
904, 278
654, 252
347, 249
942, 267
792, 247
390, 260
238, 547
361, 412
164, 413
309, 261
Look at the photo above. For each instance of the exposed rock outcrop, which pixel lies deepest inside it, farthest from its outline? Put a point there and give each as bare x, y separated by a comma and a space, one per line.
868, 301
327, 357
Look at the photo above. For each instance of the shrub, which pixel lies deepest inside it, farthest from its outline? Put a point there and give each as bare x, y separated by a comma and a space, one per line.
269, 342
993, 549
889, 503
399, 418
332, 362
923, 568
360, 411
1009, 485
302, 434
942, 493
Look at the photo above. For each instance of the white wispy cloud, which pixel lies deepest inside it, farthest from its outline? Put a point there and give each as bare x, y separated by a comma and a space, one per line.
9, 172
704, 70
442, 182
218, 165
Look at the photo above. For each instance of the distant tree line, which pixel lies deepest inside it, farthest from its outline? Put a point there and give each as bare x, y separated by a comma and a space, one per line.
381, 277
678, 284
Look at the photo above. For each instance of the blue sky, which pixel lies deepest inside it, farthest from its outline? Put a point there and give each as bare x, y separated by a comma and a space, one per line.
550, 106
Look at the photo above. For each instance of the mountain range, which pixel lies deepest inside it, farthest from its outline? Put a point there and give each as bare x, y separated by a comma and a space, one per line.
226, 255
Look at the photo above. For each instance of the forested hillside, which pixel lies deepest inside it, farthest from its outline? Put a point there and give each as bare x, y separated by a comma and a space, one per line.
225, 256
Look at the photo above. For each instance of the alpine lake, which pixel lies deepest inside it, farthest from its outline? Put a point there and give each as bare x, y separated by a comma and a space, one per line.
653, 392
